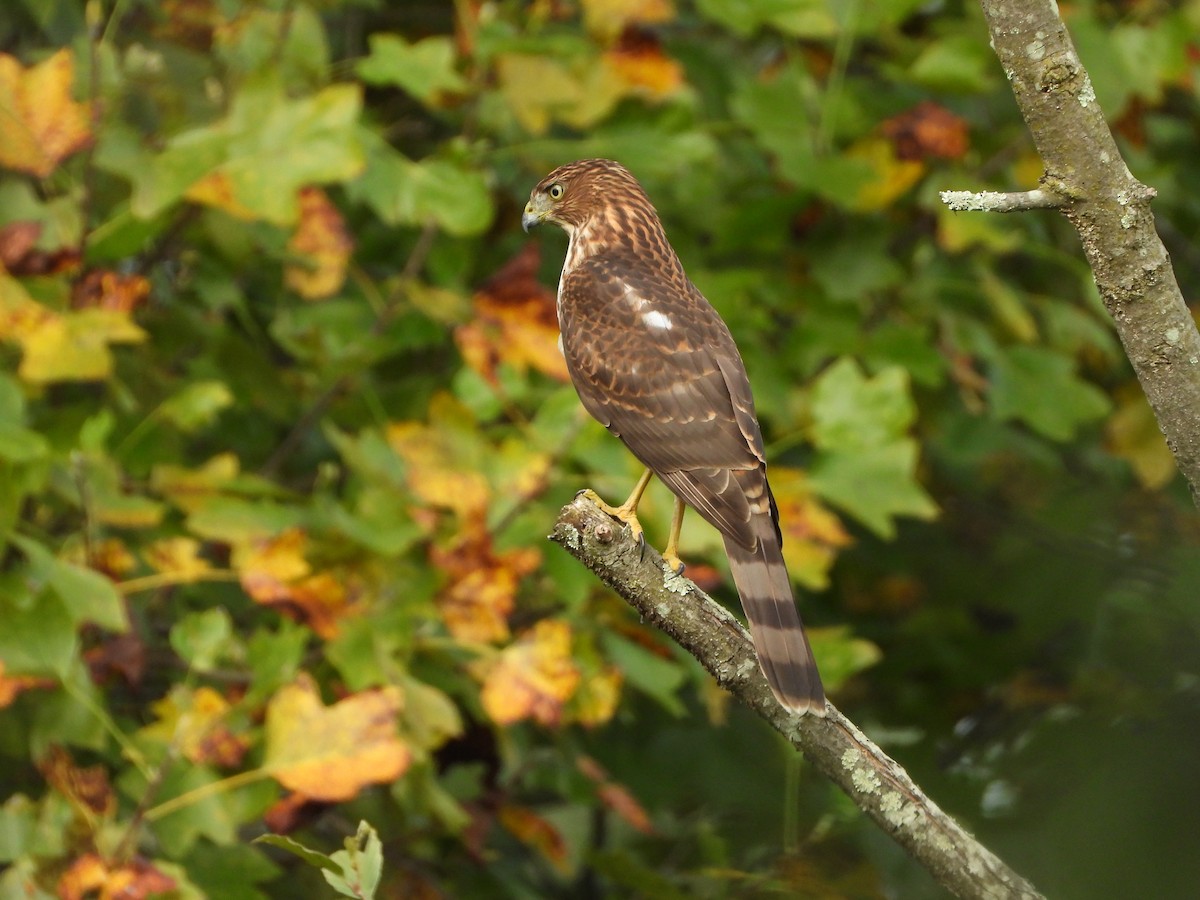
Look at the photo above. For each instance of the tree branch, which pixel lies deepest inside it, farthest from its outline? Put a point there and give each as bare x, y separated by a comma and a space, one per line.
833, 745
1111, 211
994, 201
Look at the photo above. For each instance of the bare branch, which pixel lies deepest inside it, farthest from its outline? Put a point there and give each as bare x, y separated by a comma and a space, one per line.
833, 745
996, 201
1111, 211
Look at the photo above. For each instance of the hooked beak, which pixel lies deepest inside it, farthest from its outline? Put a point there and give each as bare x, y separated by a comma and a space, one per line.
535, 213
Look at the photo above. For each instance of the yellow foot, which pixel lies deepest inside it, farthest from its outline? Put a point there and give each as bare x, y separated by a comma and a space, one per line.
626, 513
673, 562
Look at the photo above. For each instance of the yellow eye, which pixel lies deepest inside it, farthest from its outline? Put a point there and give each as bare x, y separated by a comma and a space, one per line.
555, 191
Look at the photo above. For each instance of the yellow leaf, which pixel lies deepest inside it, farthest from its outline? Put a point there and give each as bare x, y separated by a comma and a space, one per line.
892, 176
266, 567
608, 18
1132, 433
74, 346
194, 722
812, 533
435, 475
330, 753
190, 489
40, 125
639, 62
322, 245
539, 90
178, 556
596, 701
533, 678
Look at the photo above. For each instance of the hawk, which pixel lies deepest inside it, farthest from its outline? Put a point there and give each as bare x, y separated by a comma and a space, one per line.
653, 362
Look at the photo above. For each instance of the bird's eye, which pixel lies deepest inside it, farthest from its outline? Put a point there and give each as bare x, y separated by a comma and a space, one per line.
555, 191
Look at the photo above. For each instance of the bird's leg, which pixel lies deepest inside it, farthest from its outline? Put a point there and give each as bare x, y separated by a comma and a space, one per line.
671, 553
627, 511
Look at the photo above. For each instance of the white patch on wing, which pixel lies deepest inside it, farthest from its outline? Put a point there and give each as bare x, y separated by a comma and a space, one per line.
656, 319
635, 300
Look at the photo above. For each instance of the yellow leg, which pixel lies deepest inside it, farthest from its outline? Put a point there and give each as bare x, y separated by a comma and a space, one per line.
671, 553
627, 511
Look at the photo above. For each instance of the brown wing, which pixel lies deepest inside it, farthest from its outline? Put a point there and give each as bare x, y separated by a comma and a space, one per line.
654, 363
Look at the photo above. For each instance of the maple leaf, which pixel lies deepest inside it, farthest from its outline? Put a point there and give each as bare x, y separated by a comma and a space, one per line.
482, 587
105, 289
927, 130
178, 556
533, 678
639, 61
533, 830
321, 244
435, 474
86, 787
273, 571
812, 533
194, 722
40, 125
615, 796
12, 686
90, 876
515, 322
608, 18
330, 753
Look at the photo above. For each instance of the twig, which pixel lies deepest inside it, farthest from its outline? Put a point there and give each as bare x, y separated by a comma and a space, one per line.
833, 745
996, 201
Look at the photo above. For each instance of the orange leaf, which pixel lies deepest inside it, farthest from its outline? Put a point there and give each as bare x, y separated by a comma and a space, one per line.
194, 721
85, 788
274, 572
615, 796
531, 829
515, 322
483, 584
330, 753
927, 130
105, 289
812, 533
11, 686
40, 125
533, 678
91, 877
322, 244
639, 61
433, 475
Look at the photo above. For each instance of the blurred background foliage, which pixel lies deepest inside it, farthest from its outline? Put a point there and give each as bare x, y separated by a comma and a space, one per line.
283, 426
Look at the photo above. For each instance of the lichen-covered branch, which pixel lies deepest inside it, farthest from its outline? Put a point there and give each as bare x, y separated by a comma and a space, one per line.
997, 201
833, 745
1111, 211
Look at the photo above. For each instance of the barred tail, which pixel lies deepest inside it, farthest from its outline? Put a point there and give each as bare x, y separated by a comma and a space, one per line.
766, 592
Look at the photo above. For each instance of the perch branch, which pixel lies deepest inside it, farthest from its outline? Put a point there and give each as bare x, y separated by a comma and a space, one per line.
833, 745
1111, 211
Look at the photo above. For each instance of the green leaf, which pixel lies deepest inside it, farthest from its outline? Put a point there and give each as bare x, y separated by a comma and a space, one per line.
874, 484
19, 444
960, 63
38, 637
249, 159
424, 68
1039, 387
801, 18
197, 405
361, 864
656, 677
403, 192
314, 858
851, 411
841, 654
88, 595
199, 638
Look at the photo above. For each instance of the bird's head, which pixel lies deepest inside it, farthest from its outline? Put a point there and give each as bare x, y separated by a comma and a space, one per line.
572, 194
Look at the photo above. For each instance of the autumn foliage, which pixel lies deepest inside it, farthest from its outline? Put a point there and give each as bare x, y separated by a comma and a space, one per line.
284, 424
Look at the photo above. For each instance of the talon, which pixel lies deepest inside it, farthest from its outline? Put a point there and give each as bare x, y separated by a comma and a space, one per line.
674, 563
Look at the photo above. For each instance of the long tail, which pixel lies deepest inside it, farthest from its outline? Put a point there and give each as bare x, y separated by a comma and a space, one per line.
766, 592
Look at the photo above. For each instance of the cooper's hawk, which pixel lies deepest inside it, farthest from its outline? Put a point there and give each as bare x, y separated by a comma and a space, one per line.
656, 365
